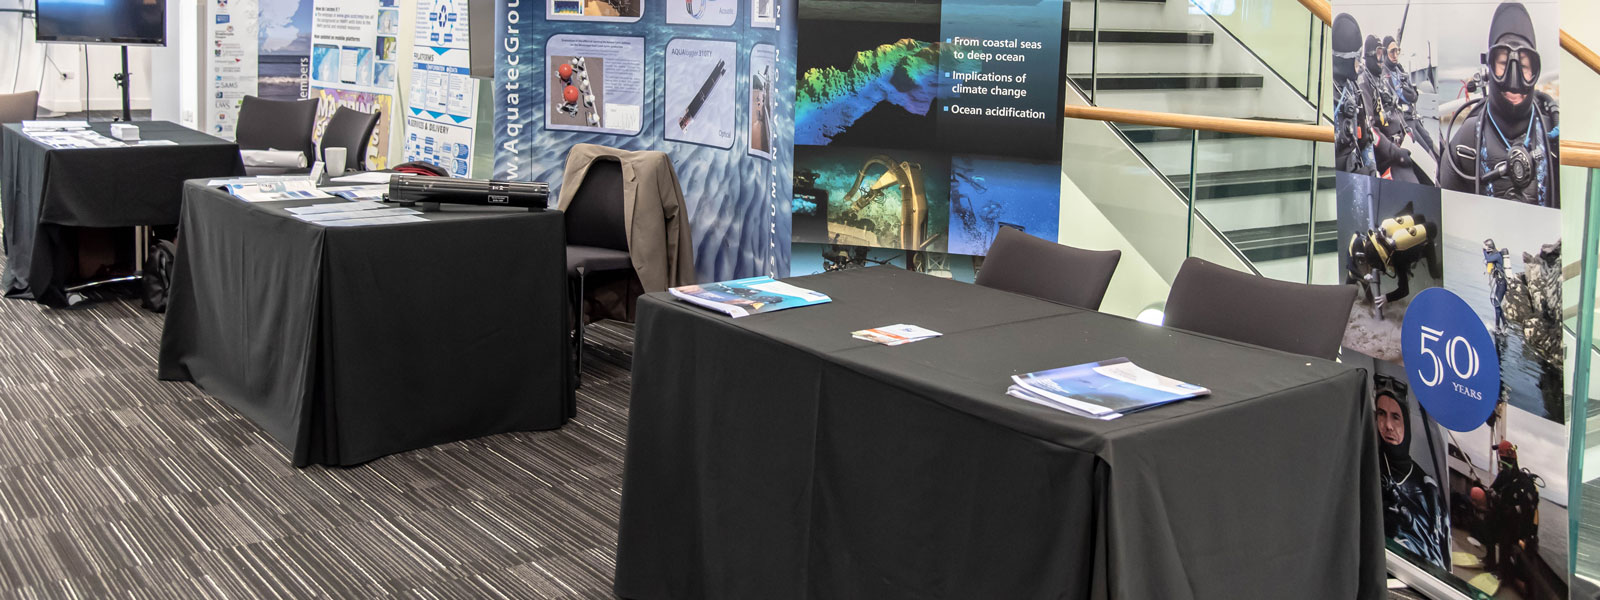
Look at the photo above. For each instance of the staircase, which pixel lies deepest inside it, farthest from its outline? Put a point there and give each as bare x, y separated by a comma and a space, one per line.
1169, 56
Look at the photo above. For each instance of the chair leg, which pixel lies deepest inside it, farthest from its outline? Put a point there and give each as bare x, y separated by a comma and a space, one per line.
579, 331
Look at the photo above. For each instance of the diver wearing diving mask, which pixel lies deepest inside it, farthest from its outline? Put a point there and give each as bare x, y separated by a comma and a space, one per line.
1507, 146
1358, 146
1386, 118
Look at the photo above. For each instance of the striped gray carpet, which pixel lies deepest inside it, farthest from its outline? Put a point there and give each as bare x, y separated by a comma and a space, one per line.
115, 484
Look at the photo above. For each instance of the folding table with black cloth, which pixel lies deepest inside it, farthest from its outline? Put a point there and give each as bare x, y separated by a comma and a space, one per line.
775, 456
48, 194
350, 343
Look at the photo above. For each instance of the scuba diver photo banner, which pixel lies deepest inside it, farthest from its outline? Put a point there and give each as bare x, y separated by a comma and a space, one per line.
709, 82
922, 127
1449, 220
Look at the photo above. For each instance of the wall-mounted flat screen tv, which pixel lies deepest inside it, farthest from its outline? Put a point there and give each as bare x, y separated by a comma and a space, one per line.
121, 22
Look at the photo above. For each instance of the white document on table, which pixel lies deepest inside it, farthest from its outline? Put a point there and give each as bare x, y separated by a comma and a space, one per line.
327, 217
366, 177
55, 125
271, 191
375, 221
334, 207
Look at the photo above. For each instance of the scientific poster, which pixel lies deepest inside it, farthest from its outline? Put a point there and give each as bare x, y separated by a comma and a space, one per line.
616, 11
1450, 224
442, 112
925, 131
720, 13
693, 79
700, 94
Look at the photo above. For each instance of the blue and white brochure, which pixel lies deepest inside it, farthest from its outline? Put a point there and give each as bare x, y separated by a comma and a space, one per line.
745, 297
1102, 390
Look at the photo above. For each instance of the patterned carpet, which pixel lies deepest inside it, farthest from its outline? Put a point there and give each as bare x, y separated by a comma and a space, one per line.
115, 484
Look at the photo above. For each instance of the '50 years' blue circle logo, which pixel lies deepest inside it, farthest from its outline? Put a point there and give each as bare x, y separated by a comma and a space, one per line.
1450, 359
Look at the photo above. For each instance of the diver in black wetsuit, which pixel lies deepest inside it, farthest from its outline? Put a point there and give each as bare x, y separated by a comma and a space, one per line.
1494, 261
1356, 147
1399, 80
1412, 514
1393, 249
1507, 146
1352, 151
1385, 116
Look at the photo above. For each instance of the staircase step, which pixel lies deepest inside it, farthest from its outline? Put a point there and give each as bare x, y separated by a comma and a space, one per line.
1260, 244
1171, 81
1141, 36
1255, 182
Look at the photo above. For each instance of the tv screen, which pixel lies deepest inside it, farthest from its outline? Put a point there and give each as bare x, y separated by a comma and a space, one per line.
140, 22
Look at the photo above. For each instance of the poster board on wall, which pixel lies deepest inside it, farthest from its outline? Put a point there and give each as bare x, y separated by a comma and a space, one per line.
710, 83
1449, 222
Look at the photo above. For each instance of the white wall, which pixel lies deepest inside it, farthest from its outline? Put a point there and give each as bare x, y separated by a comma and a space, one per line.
65, 87
175, 70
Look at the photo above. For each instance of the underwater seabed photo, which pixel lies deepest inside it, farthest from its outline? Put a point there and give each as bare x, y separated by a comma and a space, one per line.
988, 193
880, 198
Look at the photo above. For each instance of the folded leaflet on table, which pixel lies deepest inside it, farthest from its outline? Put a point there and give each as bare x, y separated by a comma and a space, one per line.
895, 335
1103, 390
745, 297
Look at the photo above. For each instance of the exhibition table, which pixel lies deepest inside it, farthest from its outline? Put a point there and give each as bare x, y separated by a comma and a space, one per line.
775, 456
350, 343
44, 191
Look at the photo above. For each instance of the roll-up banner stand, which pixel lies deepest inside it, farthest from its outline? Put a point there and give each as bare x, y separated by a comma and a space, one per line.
709, 82
354, 55
253, 47
923, 128
1446, 116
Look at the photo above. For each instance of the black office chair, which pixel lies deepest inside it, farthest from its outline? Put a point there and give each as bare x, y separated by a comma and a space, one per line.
277, 125
350, 129
1293, 317
597, 238
19, 107
1024, 264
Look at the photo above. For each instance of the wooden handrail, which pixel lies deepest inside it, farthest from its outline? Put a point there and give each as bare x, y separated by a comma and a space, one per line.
1293, 131
1319, 8
1573, 153
1580, 154
1582, 52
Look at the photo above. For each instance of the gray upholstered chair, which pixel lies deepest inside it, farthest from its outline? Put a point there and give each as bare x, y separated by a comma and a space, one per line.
350, 129
277, 125
597, 237
19, 107
1293, 317
1024, 264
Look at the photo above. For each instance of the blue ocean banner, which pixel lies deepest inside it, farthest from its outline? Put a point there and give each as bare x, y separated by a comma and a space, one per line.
710, 83
921, 132
1449, 218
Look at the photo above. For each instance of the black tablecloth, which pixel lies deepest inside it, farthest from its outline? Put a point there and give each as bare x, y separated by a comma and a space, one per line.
349, 343
43, 190
774, 457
